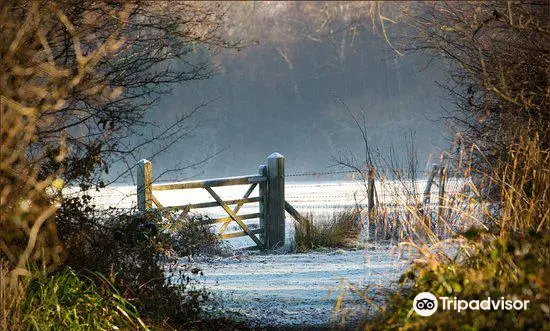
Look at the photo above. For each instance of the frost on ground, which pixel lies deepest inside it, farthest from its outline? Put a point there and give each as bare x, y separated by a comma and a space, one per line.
287, 289
282, 290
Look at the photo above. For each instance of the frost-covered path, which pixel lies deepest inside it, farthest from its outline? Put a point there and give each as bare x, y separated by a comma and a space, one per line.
287, 289
294, 289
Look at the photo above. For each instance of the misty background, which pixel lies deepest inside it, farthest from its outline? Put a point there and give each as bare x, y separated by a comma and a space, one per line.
286, 94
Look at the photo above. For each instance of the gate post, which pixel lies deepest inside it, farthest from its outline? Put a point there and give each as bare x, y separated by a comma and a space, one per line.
442, 179
370, 192
275, 221
262, 192
144, 182
373, 226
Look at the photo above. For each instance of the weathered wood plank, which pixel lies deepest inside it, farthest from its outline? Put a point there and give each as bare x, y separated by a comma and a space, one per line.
239, 180
238, 206
428, 189
156, 202
262, 192
234, 217
229, 219
275, 225
160, 206
239, 234
184, 212
144, 179
441, 204
370, 193
216, 204
294, 213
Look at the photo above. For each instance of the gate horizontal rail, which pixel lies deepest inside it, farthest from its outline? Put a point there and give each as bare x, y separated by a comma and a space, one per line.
239, 180
240, 234
228, 219
215, 204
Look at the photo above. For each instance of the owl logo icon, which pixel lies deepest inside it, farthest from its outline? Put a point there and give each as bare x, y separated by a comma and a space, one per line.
425, 304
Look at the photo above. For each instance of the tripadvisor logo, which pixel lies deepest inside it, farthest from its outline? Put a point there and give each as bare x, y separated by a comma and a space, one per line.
425, 304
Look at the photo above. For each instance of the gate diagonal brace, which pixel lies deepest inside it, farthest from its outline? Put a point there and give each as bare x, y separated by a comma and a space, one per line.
161, 207
238, 207
182, 215
234, 217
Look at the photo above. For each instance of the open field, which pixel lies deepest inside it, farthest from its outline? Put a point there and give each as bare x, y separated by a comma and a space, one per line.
317, 198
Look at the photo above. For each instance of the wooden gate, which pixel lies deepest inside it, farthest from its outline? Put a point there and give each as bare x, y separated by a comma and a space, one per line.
270, 181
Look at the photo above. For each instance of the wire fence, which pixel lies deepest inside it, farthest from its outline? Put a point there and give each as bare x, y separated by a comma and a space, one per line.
355, 172
315, 193
320, 173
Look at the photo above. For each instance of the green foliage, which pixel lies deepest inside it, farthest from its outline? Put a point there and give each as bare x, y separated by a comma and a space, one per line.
65, 301
338, 230
515, 267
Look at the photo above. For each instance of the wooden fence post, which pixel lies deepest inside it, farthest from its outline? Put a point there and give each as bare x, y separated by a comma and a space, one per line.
275, 222
372, 226
370, 192
442, 178
262, 192
144, 182
427, 191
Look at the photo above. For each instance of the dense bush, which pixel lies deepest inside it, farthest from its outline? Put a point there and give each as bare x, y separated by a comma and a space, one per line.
192, 238
496, 59
134, 250
127, 255
498, 72
68, 98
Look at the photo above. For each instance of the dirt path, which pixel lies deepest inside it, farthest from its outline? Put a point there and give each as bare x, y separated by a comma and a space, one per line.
294, 289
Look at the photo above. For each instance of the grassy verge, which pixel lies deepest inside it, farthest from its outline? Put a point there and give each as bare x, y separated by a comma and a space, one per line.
65, 301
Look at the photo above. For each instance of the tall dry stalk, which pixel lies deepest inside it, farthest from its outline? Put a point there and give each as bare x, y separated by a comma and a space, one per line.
525, 189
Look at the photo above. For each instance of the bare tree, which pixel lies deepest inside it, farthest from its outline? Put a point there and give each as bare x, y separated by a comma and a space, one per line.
498, 61
162, 44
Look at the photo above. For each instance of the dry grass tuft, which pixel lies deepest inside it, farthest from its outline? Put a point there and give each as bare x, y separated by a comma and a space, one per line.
339, 230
